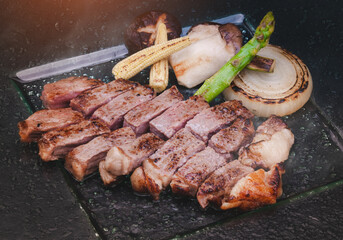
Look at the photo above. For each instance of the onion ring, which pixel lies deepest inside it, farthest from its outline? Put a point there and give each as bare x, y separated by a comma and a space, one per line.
280, 93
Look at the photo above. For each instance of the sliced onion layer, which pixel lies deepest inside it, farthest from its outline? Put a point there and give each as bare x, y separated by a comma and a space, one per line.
281, 93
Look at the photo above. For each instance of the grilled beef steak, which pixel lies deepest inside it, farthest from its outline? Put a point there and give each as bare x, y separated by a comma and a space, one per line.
139, 117
189, 177
220, 183
57, 143
184, 161
58, 94
176, 117
31, 129
255, 190
90, 100
122, 160
112, 113
84, 159
271, 144
213, 119
229, 140
161, 166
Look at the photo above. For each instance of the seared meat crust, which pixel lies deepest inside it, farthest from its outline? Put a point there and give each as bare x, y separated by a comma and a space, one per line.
229, 140
112, 113
211, 120
161, 166
122, 160
58, 94
84, 159
176, 117
220, 183
139, 117
31, 129
189, 177
57, 143
92, 99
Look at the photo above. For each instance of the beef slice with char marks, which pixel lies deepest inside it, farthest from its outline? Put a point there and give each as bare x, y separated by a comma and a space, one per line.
42, 121
160, 167
189, 177
57, 143
220, 183
122, 160
84, 159
139, 117
90, 100
176, 117
229, 140
58, 94
112, 113
211, 120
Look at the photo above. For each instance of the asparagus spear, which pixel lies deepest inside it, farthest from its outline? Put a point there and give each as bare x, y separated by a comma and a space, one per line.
213, 86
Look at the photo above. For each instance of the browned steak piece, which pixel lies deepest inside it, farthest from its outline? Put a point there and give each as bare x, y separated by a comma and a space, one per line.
189, 177
112, 113
229, 140
57, 143
270, 145
255, 190
161, 166
220, 183
58, 94
122, 160
84, 159
213, 119
139, 117
176, 117
46, 120
90, 100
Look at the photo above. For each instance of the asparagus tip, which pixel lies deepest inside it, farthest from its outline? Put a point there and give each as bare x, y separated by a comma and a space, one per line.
266, 28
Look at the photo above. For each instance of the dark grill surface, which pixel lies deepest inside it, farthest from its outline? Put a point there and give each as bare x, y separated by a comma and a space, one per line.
41, 200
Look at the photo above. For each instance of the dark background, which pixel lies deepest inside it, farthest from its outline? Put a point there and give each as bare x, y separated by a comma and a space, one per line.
35, 200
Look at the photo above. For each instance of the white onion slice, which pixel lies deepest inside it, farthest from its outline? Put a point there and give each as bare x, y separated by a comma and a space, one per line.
280, 93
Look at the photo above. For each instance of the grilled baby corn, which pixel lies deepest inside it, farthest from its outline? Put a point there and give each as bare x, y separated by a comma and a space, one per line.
135, 63
159, 72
